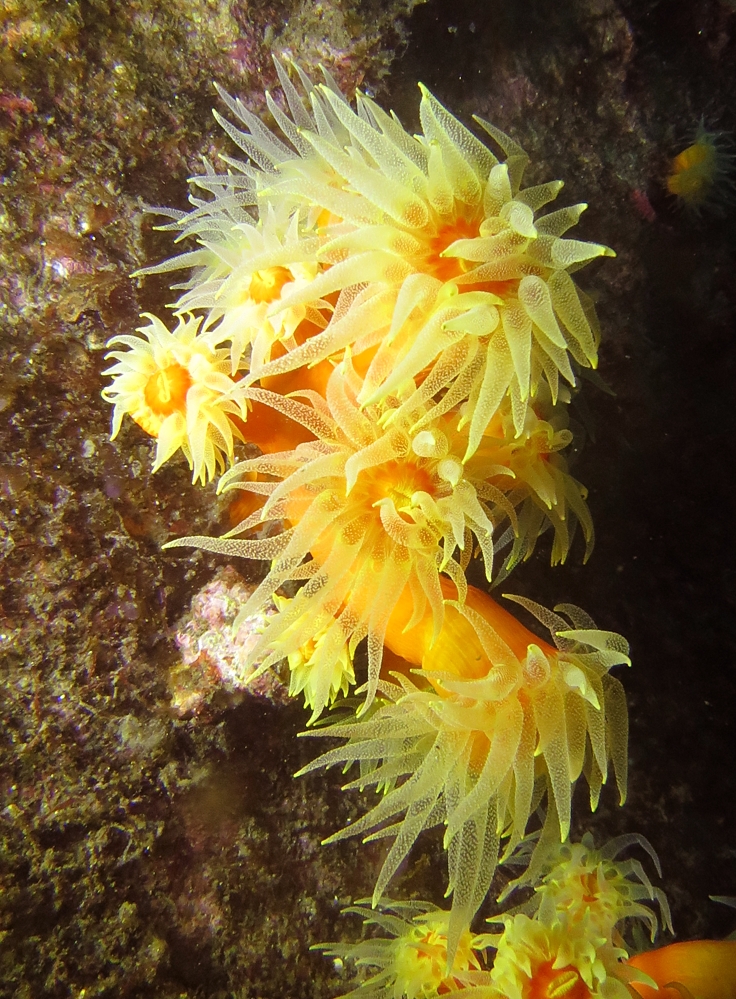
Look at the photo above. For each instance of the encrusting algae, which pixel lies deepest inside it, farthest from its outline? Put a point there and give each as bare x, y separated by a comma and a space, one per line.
391, 320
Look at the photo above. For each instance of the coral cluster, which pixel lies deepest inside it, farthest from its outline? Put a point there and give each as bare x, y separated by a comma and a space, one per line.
565, 941
391, 321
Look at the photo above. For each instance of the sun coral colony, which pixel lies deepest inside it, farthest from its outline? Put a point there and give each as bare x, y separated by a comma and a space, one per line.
391, 319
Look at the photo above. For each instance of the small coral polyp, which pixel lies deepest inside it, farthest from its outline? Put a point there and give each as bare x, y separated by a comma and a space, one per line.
567, 941
701, 177
239, 278
319, 672
580, 881
176, 387
411, 960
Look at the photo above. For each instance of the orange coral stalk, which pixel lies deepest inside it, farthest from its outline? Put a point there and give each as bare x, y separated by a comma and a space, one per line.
458, 648
705, 969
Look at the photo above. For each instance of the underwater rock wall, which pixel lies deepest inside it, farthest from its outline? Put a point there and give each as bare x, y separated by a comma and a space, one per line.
150, 854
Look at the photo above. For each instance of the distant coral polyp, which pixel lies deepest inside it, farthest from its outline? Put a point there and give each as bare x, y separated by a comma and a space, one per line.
702, 176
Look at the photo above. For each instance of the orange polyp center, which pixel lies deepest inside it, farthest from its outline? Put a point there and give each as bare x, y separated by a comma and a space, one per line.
447, 268
549, 982
394, 480
458, 648
166, 390
590, 887
266, 285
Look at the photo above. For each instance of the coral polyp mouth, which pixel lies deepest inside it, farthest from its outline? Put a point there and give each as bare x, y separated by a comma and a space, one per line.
445, 268
267, 285
166, 391
397, 482
548, 982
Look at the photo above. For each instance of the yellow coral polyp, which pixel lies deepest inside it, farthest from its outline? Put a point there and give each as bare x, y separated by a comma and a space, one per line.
320, 676
536, 960
175, 386
701, 177
581, 882
410, 959
376, 511
692, 171
241, 271
445, 229
504, 714
381, 512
